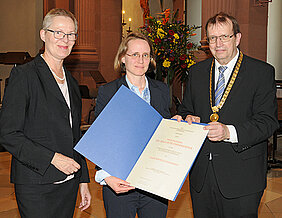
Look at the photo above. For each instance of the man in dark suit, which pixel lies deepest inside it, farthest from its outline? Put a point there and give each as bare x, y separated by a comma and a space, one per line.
237, 93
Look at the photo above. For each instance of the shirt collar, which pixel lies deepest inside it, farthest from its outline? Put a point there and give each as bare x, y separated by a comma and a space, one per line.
132, 87
231, 63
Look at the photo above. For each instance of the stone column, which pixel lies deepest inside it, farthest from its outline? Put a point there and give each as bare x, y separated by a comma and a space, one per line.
84, 59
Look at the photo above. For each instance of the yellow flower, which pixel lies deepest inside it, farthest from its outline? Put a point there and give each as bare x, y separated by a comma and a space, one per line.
191, 63
166, 63
159, 22
176, 36
160, 33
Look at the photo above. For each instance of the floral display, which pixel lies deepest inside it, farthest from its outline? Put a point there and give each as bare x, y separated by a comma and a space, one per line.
172, 44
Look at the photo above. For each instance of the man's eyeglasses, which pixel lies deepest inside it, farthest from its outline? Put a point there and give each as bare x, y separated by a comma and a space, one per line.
61, 35
223, 38
136, 56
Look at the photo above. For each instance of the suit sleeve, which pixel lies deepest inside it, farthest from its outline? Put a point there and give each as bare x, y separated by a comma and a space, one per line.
166, 113
186, 107
264, 121
12, 121
102, 100
85, 174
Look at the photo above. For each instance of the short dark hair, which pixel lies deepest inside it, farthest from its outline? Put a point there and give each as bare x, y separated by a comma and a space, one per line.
222, 17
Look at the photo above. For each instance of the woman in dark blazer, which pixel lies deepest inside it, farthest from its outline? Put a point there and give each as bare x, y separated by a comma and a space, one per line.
135, 54
40, 125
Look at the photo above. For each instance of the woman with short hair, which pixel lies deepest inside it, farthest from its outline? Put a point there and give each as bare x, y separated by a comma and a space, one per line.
40, 125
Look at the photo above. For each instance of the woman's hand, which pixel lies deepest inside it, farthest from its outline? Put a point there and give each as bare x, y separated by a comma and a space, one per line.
118, 185
65, 164
177, 117
85, 196
189, 118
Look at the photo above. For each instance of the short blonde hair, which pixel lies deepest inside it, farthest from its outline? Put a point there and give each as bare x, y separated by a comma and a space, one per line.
47, 21
123, 47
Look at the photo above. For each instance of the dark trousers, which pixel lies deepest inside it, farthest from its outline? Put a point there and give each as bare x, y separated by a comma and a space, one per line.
126, 205
211, 203
47, 200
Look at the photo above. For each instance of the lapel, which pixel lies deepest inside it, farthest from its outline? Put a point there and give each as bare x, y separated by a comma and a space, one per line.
154, 93
122, 81
212, 81
74, 95
236, 86
47, 79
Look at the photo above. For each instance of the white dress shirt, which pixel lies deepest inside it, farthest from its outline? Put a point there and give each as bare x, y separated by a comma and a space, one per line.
227, 73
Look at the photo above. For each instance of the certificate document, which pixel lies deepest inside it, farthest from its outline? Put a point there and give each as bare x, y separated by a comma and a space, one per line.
167, 158
131, 140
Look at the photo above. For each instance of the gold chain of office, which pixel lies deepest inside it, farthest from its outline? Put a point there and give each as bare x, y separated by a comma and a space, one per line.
214, 116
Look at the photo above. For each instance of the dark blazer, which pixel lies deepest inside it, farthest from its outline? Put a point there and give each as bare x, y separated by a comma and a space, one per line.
251, 107
159, 95
34, 124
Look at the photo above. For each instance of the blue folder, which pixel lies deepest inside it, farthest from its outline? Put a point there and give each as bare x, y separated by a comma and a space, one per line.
120, 133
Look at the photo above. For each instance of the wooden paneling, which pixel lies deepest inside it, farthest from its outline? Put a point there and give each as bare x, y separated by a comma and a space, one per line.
279, 101
212, 7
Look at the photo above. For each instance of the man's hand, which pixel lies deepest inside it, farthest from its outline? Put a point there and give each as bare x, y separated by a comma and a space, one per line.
65, 164
217, 131
118, 185
85, 196
191, 119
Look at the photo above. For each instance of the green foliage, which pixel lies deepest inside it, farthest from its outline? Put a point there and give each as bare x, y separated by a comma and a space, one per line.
172, 44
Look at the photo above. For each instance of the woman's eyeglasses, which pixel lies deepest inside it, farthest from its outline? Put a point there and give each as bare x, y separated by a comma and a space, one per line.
136, 56
61, 35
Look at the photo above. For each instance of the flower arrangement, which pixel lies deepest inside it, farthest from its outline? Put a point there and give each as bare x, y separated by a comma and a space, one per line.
172, 44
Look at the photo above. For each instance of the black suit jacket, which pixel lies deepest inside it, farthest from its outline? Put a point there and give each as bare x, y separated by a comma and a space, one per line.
34, 124
251, 107
159, 93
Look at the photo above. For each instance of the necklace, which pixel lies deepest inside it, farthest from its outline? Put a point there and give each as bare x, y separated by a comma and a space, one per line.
55, 75
214, 116
59, 78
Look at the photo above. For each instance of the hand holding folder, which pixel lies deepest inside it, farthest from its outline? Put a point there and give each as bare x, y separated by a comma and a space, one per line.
118, 185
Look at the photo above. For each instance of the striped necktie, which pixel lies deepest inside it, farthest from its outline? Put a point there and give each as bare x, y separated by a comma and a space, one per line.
220, 86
